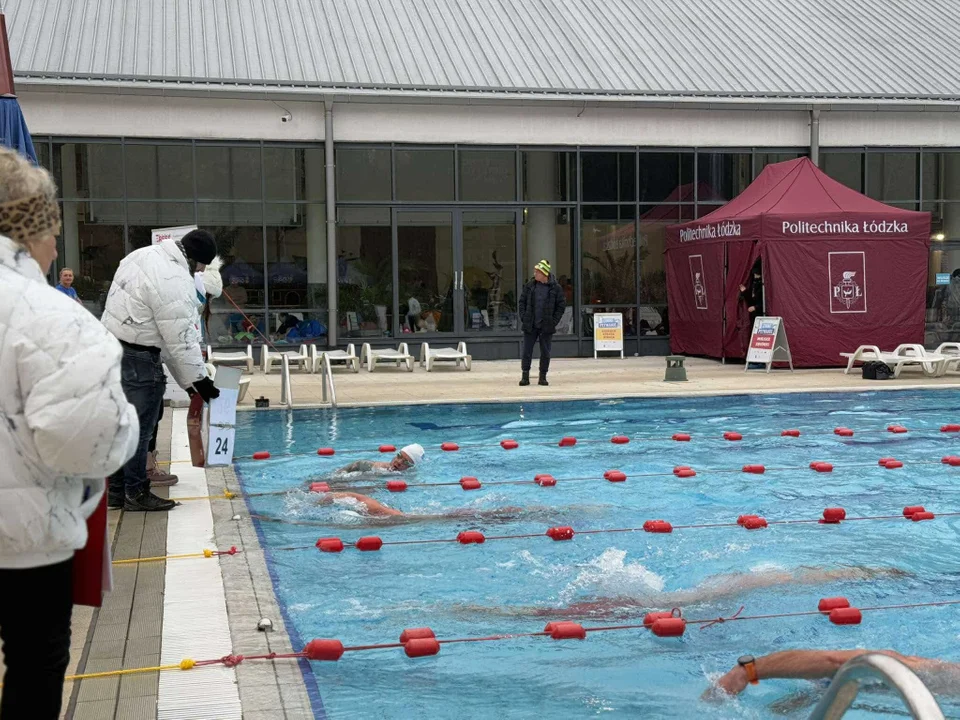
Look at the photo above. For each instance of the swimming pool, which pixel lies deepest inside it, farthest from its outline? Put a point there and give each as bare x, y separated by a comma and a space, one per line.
477, 590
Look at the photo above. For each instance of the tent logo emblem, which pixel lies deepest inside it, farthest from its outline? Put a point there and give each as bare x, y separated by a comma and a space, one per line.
699, 285
848, 284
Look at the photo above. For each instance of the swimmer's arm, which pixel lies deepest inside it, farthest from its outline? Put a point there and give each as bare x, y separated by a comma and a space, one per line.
799, 664
358, 466
373, 507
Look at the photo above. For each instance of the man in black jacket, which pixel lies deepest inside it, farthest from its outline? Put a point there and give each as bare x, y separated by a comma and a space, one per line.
541, 308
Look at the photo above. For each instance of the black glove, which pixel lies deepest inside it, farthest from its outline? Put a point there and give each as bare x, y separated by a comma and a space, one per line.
206, 389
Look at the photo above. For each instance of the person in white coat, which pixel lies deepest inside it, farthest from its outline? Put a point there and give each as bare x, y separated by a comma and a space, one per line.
152, 310
64, 425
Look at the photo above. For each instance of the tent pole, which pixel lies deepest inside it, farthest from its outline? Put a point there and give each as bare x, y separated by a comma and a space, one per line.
815, 137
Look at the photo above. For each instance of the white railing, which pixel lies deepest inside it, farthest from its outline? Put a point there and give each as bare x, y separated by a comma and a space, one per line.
286, 390
326, 379
893, 673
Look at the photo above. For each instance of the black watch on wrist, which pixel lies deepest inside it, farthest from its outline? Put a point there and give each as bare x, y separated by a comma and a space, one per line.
749, 665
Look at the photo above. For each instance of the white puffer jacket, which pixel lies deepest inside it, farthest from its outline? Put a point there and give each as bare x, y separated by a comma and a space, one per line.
64, 421
153, 302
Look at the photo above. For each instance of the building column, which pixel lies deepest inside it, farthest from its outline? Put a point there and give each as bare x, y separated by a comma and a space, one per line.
71, 228
332, 326
949, 188
541, 221
315, 224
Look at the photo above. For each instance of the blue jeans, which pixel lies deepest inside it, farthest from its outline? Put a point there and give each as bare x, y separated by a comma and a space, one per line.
143, 382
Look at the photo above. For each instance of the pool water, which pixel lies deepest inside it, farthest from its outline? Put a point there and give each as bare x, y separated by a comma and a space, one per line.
511, 586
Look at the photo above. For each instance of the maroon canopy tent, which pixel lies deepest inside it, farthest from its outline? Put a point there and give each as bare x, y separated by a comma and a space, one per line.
841, 269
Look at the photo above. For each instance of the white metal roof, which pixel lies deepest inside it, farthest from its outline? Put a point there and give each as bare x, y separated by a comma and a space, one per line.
887, 50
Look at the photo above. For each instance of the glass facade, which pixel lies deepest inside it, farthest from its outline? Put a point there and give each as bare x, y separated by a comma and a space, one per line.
439, 240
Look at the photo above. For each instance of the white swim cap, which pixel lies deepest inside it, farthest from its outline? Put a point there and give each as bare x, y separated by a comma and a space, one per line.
414, 452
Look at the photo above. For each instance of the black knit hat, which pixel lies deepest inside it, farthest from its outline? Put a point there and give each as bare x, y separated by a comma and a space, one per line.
200, 246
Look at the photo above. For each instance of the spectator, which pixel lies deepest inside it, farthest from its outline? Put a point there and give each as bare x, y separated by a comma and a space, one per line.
66, 284
413, 313
66, 425
541, 308
152, 310
752, 292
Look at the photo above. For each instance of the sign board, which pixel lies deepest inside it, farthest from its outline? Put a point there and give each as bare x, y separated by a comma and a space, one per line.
171, 234
768, 343
222, 417
607, 333
943, 278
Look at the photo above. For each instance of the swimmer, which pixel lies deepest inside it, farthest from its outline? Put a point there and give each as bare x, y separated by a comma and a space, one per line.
719, 587
403, 460
938, 675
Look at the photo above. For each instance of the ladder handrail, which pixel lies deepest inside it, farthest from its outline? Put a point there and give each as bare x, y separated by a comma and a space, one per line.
326, 379
846, 686
286, 390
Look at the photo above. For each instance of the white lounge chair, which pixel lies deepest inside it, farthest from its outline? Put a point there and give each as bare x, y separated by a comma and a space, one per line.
951, 353
429, 355
348, 356
244, 382
231, 358
300, 357
371, 357
932, 364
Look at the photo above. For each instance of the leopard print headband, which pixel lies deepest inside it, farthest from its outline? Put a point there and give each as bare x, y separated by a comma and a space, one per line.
30, 217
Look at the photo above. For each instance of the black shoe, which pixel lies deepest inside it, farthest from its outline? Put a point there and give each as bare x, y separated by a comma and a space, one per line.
525, 380
146, 501
115, 501
543, 380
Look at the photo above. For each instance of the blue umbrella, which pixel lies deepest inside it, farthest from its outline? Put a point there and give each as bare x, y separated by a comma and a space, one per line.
13, 128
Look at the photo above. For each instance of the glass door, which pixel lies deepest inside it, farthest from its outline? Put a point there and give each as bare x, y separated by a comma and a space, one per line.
488, 270
427, 277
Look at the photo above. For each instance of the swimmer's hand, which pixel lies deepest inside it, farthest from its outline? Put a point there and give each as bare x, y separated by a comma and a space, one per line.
733, 683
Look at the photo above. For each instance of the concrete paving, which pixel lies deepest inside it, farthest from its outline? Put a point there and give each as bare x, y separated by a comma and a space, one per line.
570, 379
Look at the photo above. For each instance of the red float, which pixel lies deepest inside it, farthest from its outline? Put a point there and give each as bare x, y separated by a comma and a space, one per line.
416, 634
563, 532
949, 428
651, 617
790, 433
681, 437
846, 616
686, 473
619, 439
832, 516
568, 442
677, 470
883, 461
754, 523
509, 444
755, 469
322, 649
910, 510
469, 483
319, 487
657, 526
615, 476
471, 537
449, 447
333, 545
421, 647
396, 485
545, 480
743, 518
669, 627
564, 630
732, 436
388, 448
948, 459
261, 455
893, 464
843, 432
832, 603
822, 467
326, 452
897, 429
954, 461
925, 515
369, 543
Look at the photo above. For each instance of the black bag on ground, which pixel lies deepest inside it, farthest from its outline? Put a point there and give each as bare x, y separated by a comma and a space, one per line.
875, 370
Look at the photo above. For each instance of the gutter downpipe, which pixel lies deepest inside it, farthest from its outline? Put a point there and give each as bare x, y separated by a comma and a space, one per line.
328, 156
815, 136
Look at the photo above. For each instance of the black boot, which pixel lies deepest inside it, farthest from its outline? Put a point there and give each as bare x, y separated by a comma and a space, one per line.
543, 379
525, 379
115, 500
146, 501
